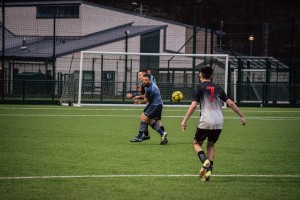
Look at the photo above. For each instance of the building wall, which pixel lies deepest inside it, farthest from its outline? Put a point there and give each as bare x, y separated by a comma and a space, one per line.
98, 19
23, 21
200, 41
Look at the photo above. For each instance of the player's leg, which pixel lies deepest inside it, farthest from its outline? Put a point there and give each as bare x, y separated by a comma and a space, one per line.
146, 135
212, 139
146, 132
143, 127
138, 138
159, 123
200, 136
154, 112
210, 157
155, 126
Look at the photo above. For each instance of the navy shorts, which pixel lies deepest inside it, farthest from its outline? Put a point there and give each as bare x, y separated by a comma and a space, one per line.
153, 111
211, 135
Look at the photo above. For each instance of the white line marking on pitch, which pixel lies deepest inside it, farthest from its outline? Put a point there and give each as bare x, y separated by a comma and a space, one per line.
135, 116
134, 108
147, 175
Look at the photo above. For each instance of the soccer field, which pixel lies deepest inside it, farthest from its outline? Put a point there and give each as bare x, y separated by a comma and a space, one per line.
52, 152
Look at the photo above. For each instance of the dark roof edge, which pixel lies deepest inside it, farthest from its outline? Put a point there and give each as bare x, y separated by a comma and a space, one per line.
41, 3
112, 41
110, 29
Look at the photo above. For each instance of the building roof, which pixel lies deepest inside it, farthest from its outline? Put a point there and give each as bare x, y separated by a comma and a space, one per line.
258, 63
42, 47
19, 3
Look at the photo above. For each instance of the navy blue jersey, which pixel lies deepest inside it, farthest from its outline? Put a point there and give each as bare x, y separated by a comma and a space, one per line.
208, 95
153, 94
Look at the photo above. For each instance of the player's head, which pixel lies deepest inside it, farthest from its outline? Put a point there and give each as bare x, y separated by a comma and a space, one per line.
146, 79
141, 75
206, 72
149, 71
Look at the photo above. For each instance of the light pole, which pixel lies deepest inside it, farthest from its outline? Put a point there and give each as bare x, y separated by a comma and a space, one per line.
251, 39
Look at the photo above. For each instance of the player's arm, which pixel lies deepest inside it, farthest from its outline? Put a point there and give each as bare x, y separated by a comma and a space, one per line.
139, 97
236, 109
144, 100
189, 113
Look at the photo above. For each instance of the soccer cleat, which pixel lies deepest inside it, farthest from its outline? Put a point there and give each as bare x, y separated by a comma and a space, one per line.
206, 176
146, 137
164, 139
136, 139
164, 142
203, 169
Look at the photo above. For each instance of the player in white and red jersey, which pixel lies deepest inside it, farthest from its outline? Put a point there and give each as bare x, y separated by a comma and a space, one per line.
208, 96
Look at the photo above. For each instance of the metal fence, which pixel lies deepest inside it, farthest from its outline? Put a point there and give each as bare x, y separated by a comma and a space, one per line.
49, 92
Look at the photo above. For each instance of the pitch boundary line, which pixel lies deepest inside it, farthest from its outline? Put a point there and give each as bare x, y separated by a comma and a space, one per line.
135, 116
147, 175
134, 109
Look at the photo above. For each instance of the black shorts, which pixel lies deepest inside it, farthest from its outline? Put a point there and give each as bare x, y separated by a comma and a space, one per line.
153, 111
211, 135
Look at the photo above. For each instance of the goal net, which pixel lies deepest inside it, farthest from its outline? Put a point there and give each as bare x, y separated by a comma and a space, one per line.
104, 78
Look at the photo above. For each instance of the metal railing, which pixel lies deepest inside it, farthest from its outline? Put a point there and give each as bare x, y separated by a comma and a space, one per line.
50, 92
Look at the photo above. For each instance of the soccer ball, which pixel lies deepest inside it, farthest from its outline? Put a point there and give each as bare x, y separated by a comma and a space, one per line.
177, 96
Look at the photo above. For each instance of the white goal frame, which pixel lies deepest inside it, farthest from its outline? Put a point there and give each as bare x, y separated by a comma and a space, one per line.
82, 53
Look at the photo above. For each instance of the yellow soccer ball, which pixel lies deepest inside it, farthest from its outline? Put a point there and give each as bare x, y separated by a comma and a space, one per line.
177, 96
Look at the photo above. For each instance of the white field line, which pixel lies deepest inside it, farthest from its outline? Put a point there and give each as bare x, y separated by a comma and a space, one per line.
147, 175
135, 116
134, 108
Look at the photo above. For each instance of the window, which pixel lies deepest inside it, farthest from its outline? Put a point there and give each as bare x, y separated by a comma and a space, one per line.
60, 11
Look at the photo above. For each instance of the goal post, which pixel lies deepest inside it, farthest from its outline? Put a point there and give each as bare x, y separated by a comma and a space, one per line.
104, 78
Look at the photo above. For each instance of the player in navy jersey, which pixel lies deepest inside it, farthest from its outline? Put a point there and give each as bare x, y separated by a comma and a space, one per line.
208, 96
137, 98
152, 111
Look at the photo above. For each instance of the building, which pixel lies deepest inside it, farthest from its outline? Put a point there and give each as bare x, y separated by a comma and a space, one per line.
43, 40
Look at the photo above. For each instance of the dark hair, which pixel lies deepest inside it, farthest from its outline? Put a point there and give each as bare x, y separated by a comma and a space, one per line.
147, 75
144, 71
206, 72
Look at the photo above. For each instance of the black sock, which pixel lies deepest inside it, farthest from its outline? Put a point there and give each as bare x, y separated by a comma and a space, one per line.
143, 127
146, 132
155, 127
162, 128
202, 156
210, 168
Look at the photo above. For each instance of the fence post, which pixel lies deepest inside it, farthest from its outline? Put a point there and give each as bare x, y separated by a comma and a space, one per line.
124, 91
101, 87
267, 85
239, 83
229, 80
24, 88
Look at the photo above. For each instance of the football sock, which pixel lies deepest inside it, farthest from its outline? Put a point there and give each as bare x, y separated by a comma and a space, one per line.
157, 128
146, 132
210, 168
143, 127
162, 128
202, 156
